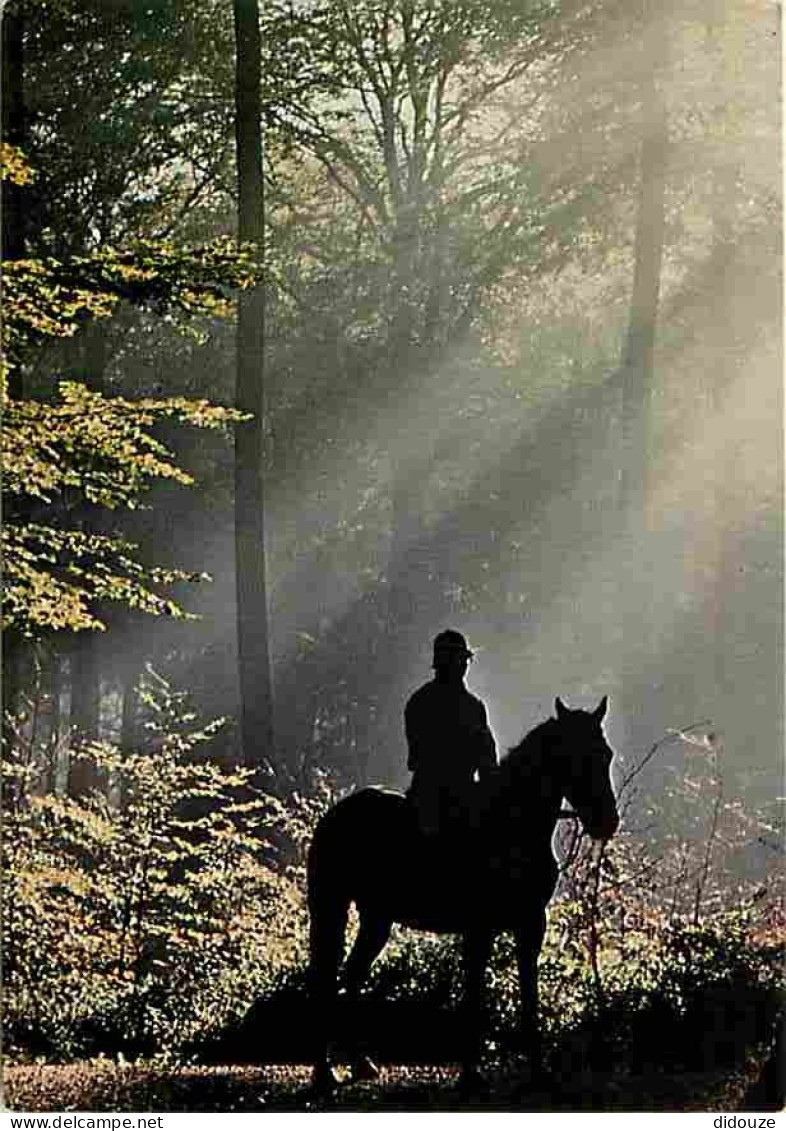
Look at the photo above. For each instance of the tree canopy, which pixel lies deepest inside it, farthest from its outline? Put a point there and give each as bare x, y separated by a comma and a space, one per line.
451, 197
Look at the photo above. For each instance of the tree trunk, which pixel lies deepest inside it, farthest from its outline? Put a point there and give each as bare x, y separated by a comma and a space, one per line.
129, 710
13, 128
85, 711
256, 685
638, 360
129, 726
637, 375
55, 689
12, 684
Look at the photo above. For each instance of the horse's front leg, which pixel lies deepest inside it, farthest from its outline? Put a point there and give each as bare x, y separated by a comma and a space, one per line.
529, 939
476, 952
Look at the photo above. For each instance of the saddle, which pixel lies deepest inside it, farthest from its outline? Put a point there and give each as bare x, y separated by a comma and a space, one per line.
445, 849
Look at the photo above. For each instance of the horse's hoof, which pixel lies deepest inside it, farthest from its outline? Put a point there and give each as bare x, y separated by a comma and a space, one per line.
364, 1070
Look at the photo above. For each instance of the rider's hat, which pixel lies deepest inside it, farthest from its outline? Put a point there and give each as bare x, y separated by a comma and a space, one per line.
451, 643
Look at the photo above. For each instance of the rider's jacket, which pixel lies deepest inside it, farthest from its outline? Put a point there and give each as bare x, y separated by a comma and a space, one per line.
449, 742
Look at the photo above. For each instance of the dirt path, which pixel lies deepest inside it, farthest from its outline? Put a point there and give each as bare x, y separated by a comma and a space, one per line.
102, 1085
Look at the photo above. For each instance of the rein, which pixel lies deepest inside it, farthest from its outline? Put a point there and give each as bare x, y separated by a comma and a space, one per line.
573, 848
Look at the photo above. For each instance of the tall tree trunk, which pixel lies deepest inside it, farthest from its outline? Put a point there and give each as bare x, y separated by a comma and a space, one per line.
637, 373
638, 359
256, 684
129, 709
129, 724
85, 712
11, 247
723, 543
55, 689
13, 127
12, 685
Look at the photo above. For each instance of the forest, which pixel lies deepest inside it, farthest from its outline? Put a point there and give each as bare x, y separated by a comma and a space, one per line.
329, 325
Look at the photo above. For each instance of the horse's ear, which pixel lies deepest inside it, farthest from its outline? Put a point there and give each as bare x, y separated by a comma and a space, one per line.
602, 707
562, 710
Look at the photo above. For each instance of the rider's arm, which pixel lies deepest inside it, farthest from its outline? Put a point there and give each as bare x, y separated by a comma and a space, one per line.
485, 746
413, 742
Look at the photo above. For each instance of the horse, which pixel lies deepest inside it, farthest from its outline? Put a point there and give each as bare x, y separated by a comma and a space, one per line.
499, 875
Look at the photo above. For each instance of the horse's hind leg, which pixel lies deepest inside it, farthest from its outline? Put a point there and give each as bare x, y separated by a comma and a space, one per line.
373, 933
327, 946
328, 911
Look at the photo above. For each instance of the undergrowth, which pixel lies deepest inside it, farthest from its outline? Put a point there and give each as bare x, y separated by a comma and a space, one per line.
164, 915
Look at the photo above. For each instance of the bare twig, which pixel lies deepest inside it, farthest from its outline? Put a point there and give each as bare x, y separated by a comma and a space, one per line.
598, 851
683, 734
704, 871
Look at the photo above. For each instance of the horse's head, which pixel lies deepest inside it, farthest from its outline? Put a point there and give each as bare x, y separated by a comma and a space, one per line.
581, 746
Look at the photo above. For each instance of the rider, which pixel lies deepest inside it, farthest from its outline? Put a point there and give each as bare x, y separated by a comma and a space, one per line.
450, 744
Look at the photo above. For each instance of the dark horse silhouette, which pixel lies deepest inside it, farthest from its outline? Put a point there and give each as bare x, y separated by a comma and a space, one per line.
499, 875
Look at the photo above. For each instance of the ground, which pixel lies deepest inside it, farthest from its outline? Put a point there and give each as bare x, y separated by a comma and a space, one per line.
103, 1085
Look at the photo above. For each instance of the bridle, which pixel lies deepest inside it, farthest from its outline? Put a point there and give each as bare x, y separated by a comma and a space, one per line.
575, 840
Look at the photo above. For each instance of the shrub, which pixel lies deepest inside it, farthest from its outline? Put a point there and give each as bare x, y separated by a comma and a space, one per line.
672, 994
153, 915
140, 916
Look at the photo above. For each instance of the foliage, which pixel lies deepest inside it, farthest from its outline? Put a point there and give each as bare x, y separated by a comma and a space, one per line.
96, 444
424, 156
662, 981
128, 117
432, 170
14, 166
85, 448
168, 914
140, 916
658, 953
122, 119
51, 298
